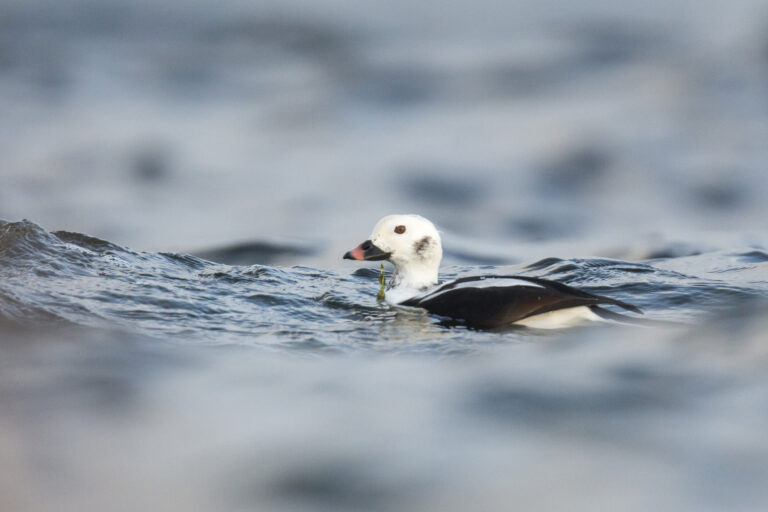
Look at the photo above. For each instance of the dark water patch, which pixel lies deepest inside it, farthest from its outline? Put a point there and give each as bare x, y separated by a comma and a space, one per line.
394, 85
721, 195
343, 482
186, 75
523, 79
635, 373
433, 187
753, 256
314, 39
256, 253
603, 44
671, 250
531, 405
576, 171
150, 164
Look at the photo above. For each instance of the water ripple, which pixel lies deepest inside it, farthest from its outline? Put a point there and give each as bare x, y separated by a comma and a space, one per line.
74, 278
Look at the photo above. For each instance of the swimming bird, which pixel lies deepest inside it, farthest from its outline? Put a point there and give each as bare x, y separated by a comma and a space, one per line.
412, 244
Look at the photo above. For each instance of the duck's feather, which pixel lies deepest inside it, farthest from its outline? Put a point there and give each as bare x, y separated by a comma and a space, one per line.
493, 301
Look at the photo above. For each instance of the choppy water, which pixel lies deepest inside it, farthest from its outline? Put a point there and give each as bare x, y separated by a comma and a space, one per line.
69, 278
193, 385
173, 356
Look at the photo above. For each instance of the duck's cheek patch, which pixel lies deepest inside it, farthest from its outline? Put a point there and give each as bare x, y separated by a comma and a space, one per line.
422, 245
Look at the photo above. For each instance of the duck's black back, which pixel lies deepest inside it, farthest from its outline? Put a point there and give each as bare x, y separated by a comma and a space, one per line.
478, 302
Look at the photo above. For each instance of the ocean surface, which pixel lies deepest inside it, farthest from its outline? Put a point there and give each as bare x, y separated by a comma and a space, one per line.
179, 182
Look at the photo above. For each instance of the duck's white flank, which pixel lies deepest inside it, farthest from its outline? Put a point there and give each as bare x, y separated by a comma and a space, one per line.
561, 318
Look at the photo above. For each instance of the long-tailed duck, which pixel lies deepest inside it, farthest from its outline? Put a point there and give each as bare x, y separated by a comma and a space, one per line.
412, 244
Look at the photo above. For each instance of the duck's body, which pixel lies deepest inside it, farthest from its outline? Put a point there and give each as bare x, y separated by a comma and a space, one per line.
413, 245
493, 301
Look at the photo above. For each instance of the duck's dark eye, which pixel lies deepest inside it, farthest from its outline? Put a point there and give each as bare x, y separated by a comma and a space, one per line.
400, 230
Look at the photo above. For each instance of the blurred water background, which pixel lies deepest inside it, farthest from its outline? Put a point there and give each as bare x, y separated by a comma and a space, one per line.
178, 330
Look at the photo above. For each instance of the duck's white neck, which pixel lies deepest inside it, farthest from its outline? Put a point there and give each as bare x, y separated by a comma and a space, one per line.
411, 279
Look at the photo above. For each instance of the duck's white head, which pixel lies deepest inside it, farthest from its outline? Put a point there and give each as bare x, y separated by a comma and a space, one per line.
412, 244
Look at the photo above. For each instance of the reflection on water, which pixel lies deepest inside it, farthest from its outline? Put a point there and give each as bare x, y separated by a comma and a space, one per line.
614, 148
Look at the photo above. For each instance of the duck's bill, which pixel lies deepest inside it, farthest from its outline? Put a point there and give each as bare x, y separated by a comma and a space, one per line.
366, 251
